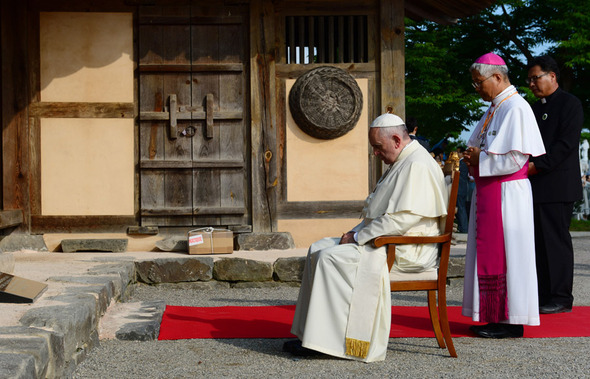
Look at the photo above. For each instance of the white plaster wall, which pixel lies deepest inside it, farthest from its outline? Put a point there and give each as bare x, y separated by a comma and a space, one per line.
305, 232
86, 57
87, 167
328, 170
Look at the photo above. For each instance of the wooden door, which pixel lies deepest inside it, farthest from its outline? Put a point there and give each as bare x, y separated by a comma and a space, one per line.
193, 116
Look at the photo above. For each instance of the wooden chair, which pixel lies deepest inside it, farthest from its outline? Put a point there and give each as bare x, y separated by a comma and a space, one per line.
432, 282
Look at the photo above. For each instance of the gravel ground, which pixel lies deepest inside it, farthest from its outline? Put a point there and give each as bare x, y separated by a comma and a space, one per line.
415, 357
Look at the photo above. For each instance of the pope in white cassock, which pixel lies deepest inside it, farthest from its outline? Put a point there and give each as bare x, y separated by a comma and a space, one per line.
500, 286
344, 304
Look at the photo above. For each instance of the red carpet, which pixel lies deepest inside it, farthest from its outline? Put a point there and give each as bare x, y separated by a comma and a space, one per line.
275, 322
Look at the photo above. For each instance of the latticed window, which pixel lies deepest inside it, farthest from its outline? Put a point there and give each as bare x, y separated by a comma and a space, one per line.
326, 39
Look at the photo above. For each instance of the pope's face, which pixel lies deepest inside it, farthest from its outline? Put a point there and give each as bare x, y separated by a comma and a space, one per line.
385, 146
542, 83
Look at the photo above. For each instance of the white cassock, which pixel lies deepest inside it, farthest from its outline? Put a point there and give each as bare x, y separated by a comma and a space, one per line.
511, 137
345, 300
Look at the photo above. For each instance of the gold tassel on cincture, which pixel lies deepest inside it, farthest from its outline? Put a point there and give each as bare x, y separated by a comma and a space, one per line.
357, 348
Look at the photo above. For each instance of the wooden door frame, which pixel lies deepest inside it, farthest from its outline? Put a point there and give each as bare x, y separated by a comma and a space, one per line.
263, 117
16, 154
371, 71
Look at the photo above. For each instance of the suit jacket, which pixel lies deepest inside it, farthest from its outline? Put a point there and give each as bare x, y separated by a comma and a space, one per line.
463, 179
560, 118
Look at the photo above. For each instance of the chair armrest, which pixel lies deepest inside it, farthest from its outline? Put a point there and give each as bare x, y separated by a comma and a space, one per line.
401, 240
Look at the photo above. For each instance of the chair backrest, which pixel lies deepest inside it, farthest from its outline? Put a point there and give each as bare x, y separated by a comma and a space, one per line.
445, 251
452, 202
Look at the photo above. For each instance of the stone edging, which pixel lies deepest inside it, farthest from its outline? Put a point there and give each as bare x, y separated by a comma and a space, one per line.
52, 340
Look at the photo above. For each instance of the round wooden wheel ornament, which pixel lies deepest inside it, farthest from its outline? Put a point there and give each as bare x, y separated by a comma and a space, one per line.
326, 102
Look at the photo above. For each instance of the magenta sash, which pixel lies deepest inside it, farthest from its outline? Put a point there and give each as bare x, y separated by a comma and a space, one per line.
491, 252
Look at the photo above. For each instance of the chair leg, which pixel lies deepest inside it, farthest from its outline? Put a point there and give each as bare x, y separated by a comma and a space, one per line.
444, 321
434, 318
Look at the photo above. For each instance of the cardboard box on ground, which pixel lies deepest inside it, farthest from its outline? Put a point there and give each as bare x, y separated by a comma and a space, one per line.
210, 241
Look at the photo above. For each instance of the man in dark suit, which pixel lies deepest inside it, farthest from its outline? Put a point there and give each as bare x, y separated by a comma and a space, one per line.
462, 210
556, 181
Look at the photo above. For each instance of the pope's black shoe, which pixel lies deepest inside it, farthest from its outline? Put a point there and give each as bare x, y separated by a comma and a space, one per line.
294, 347
493, 330
552, 308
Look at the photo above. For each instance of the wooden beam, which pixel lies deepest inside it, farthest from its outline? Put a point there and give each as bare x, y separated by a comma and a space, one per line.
392, 26
423, 11
76, 224
293, 71
188, 211
324, 7
392, 78
34, 72
191, 115
15, 98
263, 116
202, 163
82, 110
320, 209
203, 67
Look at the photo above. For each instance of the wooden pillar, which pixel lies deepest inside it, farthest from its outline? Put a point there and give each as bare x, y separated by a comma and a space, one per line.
14, 93
393, 92
263, 116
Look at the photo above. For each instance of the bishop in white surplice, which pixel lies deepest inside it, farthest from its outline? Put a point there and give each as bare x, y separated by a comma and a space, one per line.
505, 138
344, 304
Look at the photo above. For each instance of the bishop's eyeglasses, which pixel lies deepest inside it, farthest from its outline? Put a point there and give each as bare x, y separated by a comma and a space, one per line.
478, 83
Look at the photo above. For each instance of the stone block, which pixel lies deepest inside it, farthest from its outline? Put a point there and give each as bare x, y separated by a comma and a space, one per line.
105, 281
460, 237
17, 366
455, 283
104, 288
145, 322
124, 270
6, 263
101, 294
456, 267
18, 242
55, 343
242, 270
115, 245
174, 270
264, 241
209, 285
242, 285
75, 319
173, 243
37, 347
289, 269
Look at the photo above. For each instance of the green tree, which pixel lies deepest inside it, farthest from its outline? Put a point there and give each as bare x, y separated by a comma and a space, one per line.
438, 82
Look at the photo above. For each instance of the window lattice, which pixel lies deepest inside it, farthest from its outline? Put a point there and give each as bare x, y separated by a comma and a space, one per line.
326, 39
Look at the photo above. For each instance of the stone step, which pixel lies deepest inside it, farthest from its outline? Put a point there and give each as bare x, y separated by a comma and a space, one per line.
54, 338
237, 270
17, 242
114, 245
136, 321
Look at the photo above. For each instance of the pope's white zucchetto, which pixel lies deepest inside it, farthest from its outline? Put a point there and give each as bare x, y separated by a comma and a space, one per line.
387, 120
